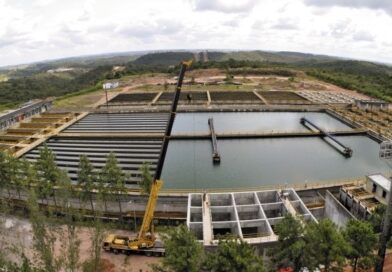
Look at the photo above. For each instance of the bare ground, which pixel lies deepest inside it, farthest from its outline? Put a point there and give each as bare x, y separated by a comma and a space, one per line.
18, 232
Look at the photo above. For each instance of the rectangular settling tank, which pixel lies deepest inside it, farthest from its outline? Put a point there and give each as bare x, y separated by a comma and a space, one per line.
269, 161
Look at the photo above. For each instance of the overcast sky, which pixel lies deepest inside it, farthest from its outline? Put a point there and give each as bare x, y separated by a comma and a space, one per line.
34, 30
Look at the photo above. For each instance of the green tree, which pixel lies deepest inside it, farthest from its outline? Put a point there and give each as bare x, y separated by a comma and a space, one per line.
325, 245
376, 217
114, 177
48, 173
183, 251
43, 238
19, 181
97, 235
29, 174
362, 240
86, 179
146, 178
234, 255
291, 245
8, 171
70, 241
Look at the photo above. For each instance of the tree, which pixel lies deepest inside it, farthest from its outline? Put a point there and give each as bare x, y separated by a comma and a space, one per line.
70, 241
165, 85
97, 235
146, 178
48, 173
376, 217
362, 240
234, 255
114, 177
29, 174
291, 245
8, 170
183, 252
325, 245
43, 238
86, 179
19, 180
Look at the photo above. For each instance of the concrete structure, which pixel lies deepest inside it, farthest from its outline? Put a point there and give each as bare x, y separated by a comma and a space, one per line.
362, 200
248, 215
328, 97
135, 138
335, 211
110, 85
379, 185
371, 104
23, 112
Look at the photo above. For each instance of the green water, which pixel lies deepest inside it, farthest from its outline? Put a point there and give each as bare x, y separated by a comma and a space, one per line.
257, 162
253, 122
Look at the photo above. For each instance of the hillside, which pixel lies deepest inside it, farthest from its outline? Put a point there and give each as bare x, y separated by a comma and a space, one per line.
36, 80
369, 78
163, 58
279, 57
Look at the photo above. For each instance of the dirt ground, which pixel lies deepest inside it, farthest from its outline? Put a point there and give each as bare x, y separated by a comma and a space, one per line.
151, 82
19, 232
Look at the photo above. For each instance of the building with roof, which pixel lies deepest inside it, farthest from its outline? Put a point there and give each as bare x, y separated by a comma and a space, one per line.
380, 186
26, 110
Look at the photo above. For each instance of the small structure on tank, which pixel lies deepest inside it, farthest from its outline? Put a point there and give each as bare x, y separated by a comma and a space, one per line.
371, 104
110, 85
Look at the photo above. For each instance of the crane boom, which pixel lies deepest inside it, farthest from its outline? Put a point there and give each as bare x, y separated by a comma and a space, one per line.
157, 182
145, 239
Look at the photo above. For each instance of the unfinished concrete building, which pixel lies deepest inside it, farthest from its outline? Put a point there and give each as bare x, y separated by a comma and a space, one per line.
248, 215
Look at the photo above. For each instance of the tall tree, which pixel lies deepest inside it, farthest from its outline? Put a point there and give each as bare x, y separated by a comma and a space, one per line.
114, 177
29, 174
362, 240
8, 172
48, 173
86, 179
376, 217
97, 235
291, 245
43, 238
70, 241
183, 251
325, 245
146, 178
234, 255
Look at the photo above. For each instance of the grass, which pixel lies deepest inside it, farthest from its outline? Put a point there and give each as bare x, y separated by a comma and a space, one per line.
3, 78
7, 106
225, 87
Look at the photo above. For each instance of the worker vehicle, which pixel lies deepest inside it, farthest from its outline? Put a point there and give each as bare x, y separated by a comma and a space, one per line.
145, 240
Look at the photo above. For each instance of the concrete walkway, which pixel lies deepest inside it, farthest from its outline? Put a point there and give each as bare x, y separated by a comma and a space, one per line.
207, 226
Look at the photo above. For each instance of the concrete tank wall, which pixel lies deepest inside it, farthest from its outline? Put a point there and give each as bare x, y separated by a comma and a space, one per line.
335, 211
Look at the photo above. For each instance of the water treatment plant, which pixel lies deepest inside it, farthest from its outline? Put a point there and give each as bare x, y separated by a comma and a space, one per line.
237, 161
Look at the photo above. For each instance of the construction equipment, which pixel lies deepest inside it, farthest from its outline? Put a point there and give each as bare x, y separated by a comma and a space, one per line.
145, 240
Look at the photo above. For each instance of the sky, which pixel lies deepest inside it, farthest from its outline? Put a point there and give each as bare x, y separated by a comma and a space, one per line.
35, 30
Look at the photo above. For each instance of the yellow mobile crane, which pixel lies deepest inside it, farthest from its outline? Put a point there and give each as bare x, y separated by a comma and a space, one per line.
145, 240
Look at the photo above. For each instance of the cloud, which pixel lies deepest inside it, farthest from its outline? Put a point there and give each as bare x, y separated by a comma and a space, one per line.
226, 6
12, 37
385, 5
286, 24
150, 28
362, 36
341, 28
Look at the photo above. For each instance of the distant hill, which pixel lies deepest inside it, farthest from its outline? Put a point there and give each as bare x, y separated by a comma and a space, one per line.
173, 58
367, 77
164, 58
23, 82
279, 57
